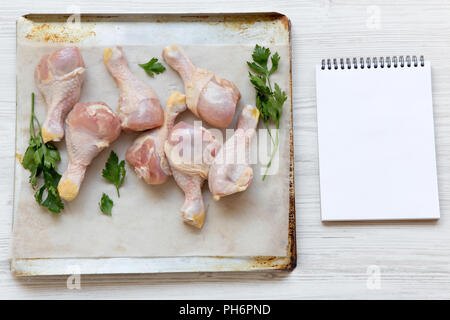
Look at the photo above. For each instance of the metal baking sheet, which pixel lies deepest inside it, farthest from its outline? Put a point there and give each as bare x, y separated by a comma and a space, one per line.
237, 28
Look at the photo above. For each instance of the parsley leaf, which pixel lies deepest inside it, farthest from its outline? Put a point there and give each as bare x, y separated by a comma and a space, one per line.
53, 202
114, 171
152, 67
255, 67
261, 55
106, 204
40, 158
268, 101
275, 59
259, 82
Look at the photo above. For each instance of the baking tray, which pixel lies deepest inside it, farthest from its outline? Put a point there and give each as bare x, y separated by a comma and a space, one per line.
265, 28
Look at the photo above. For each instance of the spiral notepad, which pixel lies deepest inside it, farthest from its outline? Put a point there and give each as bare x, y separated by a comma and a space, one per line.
376, 140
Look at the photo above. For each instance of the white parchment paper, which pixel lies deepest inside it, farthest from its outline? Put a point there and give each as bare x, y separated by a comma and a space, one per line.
146, 219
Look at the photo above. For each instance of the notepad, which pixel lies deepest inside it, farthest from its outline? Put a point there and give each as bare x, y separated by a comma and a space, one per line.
376, 141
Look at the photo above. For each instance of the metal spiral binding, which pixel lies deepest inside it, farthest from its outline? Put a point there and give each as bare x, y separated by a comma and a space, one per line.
375, 62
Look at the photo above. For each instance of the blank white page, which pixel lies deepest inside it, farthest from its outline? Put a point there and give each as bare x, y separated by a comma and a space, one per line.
376, 144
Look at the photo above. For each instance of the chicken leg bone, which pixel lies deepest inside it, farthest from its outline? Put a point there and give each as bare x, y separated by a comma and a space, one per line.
90, 128
208, 96
146, 154
139, 107
230, 171
190, 151
59, 77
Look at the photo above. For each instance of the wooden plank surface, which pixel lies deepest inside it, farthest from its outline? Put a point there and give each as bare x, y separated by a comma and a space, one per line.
335, 258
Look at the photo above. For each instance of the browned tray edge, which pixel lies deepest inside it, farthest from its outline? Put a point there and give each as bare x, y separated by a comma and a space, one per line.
262, 263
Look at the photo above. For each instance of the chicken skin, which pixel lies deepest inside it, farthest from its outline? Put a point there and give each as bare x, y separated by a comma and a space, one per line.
146, 154
190, 151
230, 171
208, 96
90, 128
59, 77
139, 106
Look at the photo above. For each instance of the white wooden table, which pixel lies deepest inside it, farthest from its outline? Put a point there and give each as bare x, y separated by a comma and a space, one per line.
413, 258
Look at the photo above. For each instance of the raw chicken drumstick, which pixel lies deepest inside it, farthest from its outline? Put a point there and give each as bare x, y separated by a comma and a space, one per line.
190, 151
208, 96
90, 128
227, 177
139, 107
146, 154
59, 77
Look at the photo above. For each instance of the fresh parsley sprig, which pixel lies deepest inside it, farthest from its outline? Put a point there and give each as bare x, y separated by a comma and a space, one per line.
114, 171
269, 101
152, 67
106, 204
41, 158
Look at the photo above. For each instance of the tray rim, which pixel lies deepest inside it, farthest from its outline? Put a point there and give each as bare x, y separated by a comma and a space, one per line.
24, 267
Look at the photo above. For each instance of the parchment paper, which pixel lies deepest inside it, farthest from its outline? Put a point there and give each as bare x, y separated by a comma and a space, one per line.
146, 219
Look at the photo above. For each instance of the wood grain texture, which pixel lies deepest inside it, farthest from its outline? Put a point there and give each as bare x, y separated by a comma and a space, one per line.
414, 257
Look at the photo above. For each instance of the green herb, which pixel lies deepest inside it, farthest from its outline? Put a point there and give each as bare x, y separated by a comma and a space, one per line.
269, 101
152, 67
114, 171
106, 204
41, 158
